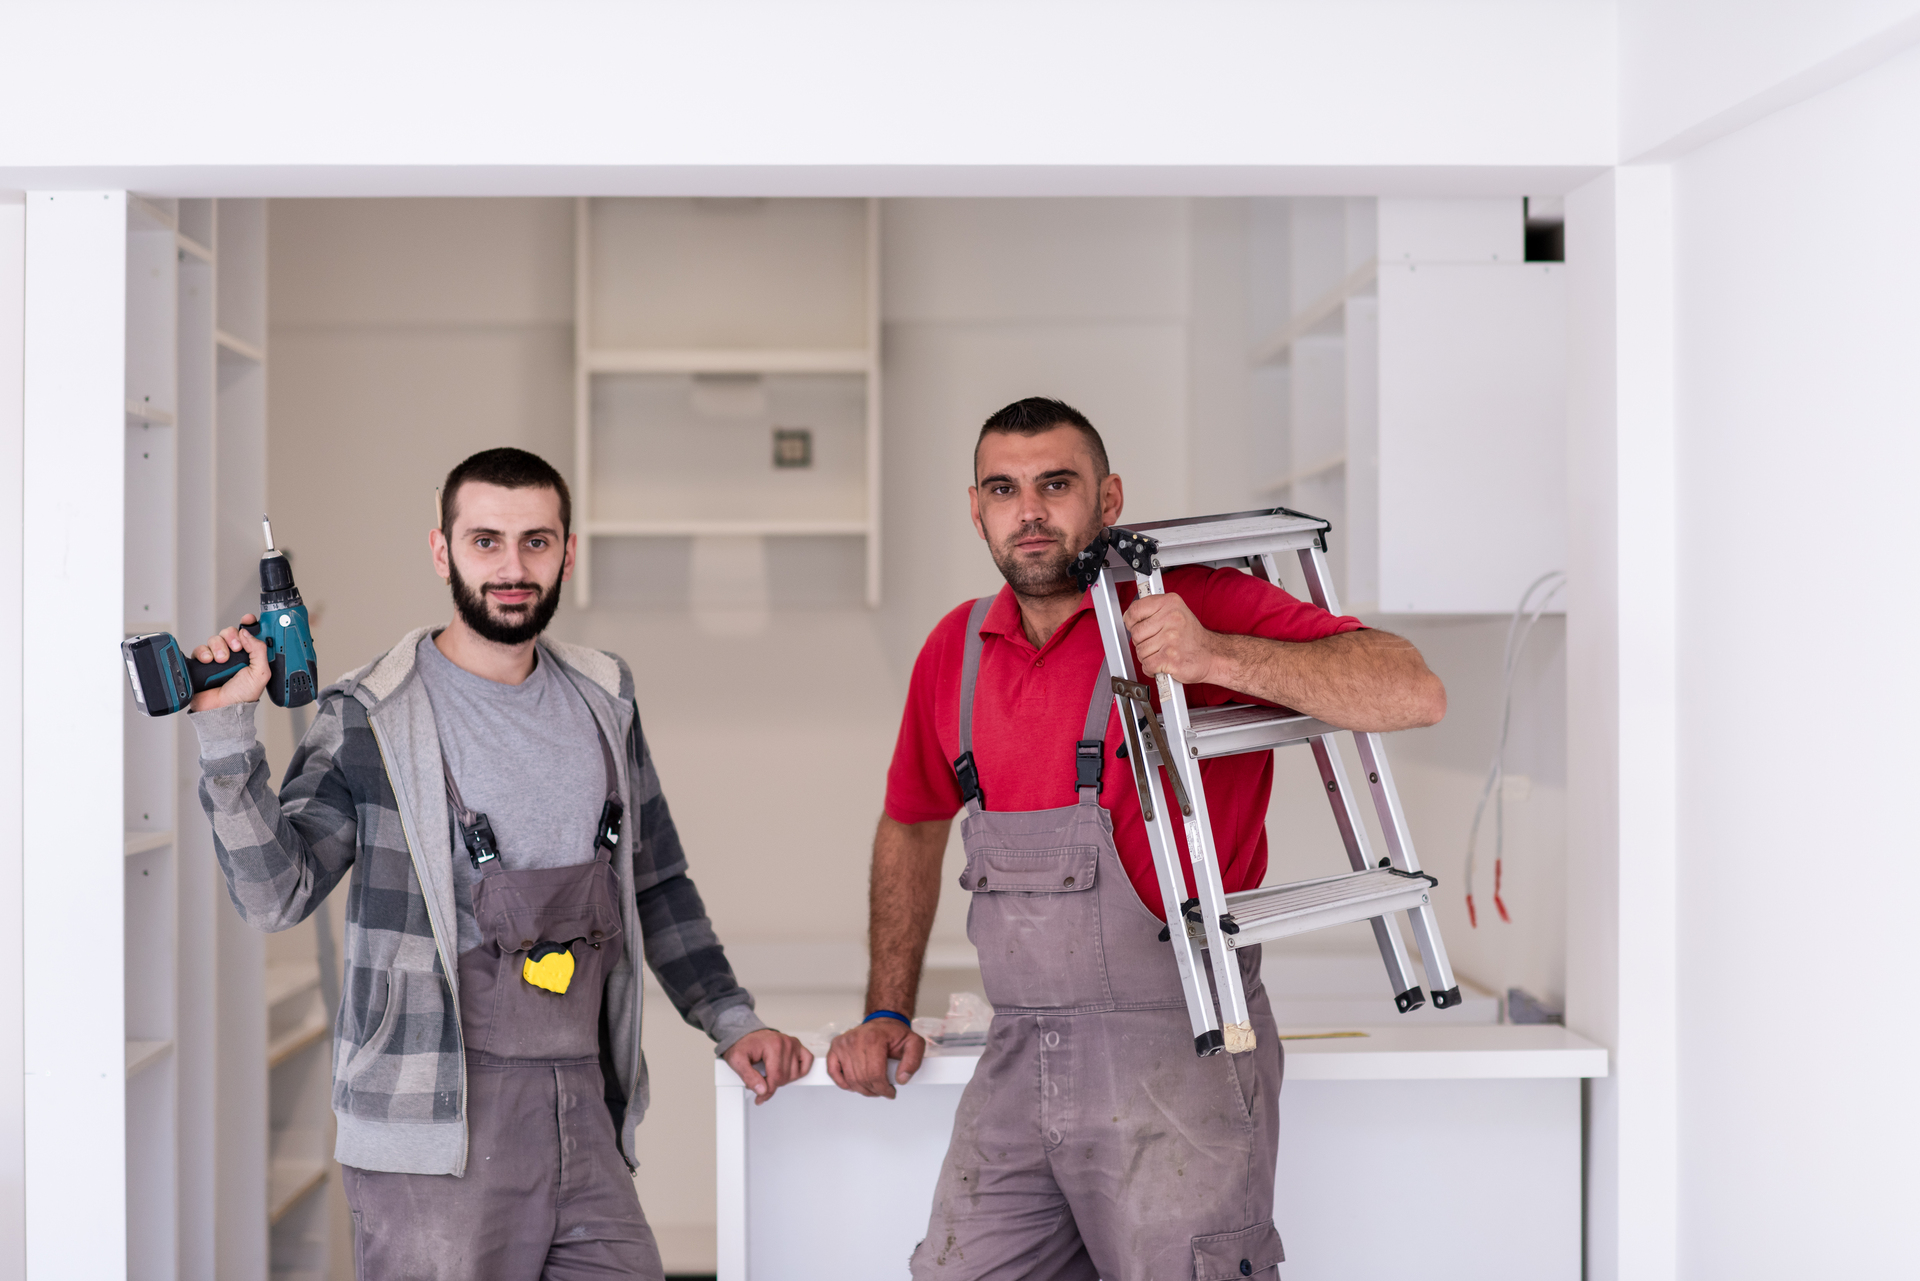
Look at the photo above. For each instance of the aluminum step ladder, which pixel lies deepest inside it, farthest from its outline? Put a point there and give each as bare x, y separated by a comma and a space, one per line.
1215, 920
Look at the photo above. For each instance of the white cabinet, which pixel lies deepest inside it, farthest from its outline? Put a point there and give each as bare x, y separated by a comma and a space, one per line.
727, 374
1470, 455
1427, 391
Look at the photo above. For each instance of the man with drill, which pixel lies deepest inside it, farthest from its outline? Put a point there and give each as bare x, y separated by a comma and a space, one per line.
1091, 1142
512, 863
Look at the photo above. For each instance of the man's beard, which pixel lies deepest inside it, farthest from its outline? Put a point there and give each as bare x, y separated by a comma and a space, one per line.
1049, 577
524, 622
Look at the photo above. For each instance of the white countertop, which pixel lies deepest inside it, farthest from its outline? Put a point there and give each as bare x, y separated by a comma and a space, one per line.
1414, 1053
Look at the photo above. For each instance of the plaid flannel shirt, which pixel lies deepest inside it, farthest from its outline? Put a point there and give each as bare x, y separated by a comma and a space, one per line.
363, 799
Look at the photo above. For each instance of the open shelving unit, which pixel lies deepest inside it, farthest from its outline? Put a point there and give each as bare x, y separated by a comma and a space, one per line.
703, 327
1424, 361
228, 1131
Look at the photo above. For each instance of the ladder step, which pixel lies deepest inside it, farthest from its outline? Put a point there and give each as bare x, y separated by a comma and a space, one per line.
1215, 538
1278, 911
1232, 728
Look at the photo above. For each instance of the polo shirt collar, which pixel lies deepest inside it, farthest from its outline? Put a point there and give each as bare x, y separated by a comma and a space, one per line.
1003, 618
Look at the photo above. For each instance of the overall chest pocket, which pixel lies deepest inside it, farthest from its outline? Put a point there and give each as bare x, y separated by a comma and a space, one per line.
1035, 920
516, 911
553, 1011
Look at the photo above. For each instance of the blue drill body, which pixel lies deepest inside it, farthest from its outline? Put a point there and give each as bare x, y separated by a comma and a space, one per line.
165, 679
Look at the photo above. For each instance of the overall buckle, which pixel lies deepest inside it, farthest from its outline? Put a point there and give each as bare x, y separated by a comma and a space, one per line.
969, 776
1089, 760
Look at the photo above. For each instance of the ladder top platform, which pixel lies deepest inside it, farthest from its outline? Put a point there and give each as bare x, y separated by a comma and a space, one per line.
1164, 544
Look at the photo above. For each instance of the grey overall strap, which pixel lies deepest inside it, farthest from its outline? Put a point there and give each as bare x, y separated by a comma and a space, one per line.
963, 766
606, 834
1090, 753
477, 832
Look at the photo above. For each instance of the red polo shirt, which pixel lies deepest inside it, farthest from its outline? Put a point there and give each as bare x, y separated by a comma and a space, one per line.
1031, 706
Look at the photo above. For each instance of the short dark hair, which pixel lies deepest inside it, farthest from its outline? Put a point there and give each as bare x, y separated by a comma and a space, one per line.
1036, 414
508, 468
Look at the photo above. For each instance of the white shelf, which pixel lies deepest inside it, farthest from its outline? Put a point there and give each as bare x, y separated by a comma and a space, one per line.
694, 294
286, 981
154, 216
1320, 468
245, 350
288, 1044
141, 842
149, 414
1277, 346
288, 1181
194, 464
727, 528
142, 1055
856, 360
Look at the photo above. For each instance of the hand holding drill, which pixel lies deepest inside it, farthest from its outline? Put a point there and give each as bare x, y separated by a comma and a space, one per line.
245, 685
270, 653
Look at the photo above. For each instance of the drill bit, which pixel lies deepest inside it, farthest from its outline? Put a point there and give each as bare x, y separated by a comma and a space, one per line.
266, 527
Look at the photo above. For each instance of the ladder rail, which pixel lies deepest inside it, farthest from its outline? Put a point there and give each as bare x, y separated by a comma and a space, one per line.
1407, 995
1386, 804
1235, 1025
1353, 833
1393, 823
1159, 823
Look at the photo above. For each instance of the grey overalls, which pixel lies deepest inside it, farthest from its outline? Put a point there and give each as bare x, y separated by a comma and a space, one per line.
1092, 1142
546, 1193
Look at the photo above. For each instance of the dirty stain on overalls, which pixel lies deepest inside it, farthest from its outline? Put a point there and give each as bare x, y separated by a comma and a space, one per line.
1092, 1142
546, 1193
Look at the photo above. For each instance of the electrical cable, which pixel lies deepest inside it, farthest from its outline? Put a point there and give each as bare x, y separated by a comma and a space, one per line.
1517, 632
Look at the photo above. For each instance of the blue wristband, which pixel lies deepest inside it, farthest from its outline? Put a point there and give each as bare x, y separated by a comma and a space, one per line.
886, 1014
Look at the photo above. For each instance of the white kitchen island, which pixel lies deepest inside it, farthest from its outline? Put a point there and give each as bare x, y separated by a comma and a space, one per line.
1437, 1152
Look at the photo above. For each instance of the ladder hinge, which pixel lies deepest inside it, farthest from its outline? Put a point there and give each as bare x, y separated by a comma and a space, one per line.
1092, 559
1136, 549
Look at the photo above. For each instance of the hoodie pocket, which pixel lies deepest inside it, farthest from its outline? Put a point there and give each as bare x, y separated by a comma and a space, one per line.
395, 1073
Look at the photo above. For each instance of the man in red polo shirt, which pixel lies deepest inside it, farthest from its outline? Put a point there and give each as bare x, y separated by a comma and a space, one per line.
1091, 1141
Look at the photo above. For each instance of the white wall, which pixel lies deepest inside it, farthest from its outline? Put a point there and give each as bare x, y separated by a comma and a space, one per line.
1620, 708
405, 335
1741, 319
1695, 70
13, 229
1797, 274
74, 424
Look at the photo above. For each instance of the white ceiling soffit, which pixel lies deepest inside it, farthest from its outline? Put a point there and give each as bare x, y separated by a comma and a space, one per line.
819, 180
1010, 97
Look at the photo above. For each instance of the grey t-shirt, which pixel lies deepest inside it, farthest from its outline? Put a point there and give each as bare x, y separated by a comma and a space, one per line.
527, 756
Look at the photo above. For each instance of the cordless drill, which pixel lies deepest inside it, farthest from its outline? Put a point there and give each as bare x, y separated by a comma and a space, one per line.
165, 679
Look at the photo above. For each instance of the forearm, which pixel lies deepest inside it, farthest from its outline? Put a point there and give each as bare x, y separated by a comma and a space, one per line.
686, 957
281, 853
901, 899
681, 947
1368, 680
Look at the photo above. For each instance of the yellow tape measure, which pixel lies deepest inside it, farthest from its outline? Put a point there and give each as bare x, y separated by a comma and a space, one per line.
549, 966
